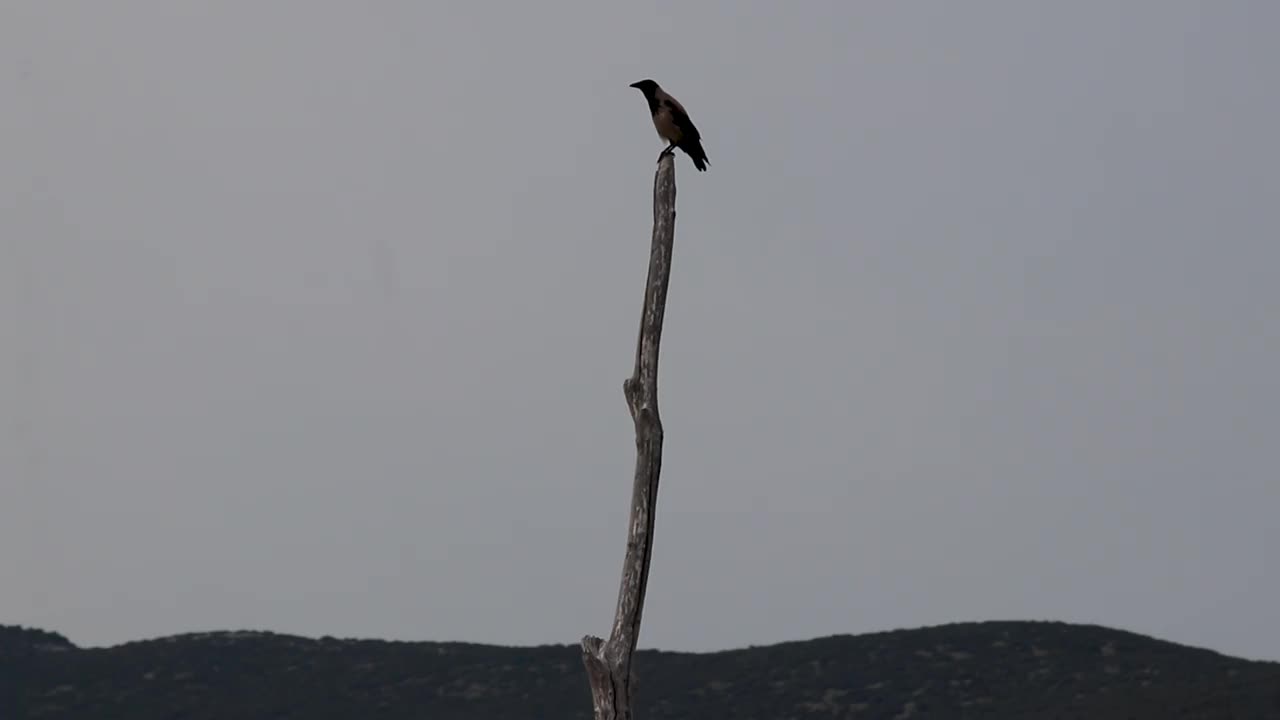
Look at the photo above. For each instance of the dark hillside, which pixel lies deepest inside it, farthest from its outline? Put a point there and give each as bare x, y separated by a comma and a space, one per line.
973, 670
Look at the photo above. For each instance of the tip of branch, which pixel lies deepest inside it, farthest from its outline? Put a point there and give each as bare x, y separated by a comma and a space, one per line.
664, 184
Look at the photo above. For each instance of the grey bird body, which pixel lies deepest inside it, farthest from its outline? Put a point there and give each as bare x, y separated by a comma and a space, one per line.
672, 123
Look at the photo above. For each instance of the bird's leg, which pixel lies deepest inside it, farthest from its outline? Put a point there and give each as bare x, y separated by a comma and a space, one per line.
669, 151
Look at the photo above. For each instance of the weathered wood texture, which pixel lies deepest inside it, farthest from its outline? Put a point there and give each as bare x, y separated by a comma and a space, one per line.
609, 661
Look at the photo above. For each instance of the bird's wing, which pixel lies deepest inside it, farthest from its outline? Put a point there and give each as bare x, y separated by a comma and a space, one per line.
679, 116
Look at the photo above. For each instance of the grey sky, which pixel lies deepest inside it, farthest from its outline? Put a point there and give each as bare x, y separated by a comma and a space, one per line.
315, 317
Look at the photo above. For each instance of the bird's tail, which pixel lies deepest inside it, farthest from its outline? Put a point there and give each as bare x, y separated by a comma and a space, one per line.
697, 154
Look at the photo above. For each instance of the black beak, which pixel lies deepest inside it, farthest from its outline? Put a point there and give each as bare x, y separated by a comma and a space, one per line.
635, 85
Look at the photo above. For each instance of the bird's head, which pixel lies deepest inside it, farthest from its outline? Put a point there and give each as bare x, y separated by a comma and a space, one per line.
648, 87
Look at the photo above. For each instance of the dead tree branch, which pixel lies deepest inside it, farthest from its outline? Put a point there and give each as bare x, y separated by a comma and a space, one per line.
609, 662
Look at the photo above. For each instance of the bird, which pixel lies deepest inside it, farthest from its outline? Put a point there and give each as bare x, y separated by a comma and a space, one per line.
673, 123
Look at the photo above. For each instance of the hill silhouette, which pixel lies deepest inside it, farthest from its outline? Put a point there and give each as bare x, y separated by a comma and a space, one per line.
1027, 670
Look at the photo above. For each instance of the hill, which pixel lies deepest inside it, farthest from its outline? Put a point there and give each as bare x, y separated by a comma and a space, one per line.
1026, 670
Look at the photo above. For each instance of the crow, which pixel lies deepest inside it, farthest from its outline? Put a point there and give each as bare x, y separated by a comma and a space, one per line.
673, 123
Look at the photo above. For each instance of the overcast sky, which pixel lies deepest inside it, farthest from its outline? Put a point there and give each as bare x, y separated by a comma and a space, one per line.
315, 315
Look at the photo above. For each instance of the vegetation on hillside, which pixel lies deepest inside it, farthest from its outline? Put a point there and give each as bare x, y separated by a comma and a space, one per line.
972, 670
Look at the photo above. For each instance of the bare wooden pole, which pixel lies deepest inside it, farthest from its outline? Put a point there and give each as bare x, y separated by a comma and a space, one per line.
609, 661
